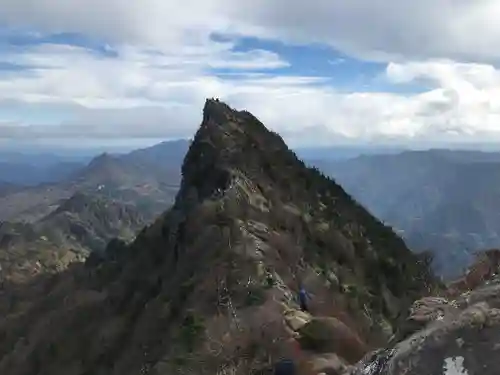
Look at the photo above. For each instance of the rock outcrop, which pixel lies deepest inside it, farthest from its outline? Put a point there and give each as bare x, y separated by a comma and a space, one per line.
459, 336
483, 268
210, 287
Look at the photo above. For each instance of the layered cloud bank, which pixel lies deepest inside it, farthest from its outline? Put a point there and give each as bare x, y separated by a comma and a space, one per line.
412, 71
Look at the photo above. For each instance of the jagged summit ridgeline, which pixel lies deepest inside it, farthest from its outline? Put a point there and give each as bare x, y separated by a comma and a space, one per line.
234, 149
226, 141
210, 287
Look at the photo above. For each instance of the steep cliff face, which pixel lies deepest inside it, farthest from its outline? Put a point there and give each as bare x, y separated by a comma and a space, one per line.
210, 286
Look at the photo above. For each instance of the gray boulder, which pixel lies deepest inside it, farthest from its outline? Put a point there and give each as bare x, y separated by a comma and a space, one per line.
457, 338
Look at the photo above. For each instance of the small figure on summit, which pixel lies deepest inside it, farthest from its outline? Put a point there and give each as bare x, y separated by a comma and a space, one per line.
304, 296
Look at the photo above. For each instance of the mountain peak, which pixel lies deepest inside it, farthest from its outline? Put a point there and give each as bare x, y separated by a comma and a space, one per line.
228, 124
229, 142
221, 268
214, 106
101, 159
231, 127
235, 158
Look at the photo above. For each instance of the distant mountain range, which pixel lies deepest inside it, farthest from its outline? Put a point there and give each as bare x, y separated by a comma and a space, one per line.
147, 178
28, 174
440, 200
46, 227
41, 168
79, 225
344, 152
31, 169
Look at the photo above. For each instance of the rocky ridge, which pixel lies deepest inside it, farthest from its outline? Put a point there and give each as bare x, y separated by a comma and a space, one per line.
209, 288
455, 334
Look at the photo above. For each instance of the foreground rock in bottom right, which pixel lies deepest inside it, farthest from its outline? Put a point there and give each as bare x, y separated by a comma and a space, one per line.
461, 342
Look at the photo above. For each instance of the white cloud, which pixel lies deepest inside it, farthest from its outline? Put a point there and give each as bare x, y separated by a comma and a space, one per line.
156, 85
147, 22
464, 97
456, 29
150, 95
135, 78
386, 29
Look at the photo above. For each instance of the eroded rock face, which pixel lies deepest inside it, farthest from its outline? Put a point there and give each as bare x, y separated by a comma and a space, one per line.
296, 319
423, 312
329, 364
472, 336
484, 268
456, 338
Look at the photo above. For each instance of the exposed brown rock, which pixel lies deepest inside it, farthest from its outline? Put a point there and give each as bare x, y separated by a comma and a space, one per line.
485, 266
450, 338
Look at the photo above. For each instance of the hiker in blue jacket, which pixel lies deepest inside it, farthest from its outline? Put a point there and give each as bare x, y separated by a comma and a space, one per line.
304, 296
285, 367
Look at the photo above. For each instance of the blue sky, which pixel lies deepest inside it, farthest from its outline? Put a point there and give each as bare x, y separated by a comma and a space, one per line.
315, 60
323, 74
319, 60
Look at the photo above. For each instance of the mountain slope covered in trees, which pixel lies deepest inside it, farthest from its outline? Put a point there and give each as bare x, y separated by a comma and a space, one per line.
80, 225
444, 201
209, 287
